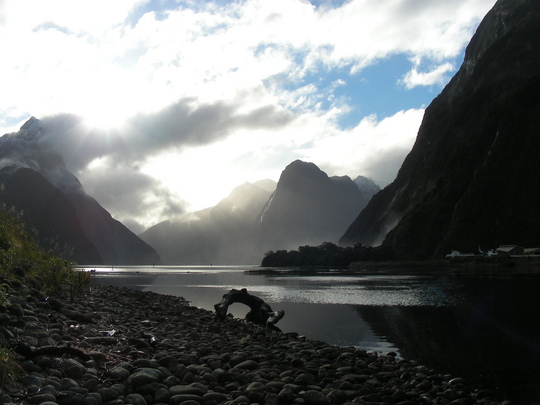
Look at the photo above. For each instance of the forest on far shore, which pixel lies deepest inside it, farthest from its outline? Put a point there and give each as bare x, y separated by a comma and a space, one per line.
326, 255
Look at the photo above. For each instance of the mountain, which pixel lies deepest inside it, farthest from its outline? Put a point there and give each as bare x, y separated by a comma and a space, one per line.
473, 176
367, 186
309, 208
54, 215
55, 207
221, 234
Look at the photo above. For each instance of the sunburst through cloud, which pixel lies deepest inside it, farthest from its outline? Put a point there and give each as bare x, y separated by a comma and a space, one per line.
174, 103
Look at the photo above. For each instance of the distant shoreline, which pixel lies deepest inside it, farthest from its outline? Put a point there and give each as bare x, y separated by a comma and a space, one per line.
460, 266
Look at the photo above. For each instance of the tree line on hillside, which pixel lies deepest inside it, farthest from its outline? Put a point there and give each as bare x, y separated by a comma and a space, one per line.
326, 255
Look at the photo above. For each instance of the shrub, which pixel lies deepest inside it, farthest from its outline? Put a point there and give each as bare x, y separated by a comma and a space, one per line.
9, 367
49, 273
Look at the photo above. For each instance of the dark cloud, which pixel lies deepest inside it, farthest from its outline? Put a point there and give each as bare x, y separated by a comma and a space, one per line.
130, 194
119, 188
181, 124
117, 183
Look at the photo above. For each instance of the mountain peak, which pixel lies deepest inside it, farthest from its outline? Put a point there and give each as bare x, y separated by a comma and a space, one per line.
308, 207
31, 130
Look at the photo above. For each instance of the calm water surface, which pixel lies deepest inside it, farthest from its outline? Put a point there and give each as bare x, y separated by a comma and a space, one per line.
486, 330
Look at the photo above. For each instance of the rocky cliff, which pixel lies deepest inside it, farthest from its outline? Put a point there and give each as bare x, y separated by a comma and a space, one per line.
309, 208
473, 176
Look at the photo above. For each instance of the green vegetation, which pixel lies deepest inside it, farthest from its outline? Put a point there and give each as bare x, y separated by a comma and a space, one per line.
9, 367
325, 255
23, 261
21, 257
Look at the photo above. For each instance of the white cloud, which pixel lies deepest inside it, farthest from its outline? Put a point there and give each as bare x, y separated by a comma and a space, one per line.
233, 73
85, 58
374, 148
437, 75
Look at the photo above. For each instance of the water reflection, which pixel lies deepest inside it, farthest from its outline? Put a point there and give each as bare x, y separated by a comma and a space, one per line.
486, 330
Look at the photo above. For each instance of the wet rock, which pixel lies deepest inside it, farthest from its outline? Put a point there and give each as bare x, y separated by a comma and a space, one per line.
312, 397
119, 373
186, 390
185, 398
42, 398
144, 376
107, 394
72, 368
248, 365
135, 399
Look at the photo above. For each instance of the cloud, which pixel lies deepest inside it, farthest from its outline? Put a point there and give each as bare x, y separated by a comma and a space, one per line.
437, 75
136, 199
217, 90
374, 148
82, 60
184, 123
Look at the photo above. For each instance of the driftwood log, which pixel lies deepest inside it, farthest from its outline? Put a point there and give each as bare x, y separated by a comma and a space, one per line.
260, 312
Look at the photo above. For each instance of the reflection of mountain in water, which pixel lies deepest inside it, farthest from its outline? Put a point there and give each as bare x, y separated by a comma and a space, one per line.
492, 342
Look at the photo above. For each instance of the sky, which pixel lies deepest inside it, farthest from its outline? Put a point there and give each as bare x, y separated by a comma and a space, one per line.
162, 107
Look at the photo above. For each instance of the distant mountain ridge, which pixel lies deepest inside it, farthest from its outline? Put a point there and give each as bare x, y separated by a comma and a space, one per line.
223, 234
52, 202
473, 176
309, 208
305, 207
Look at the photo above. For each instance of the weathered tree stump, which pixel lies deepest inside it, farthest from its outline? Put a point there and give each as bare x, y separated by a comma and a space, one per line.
261, 313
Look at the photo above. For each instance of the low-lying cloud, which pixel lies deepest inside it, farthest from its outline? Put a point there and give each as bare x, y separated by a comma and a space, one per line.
179, 125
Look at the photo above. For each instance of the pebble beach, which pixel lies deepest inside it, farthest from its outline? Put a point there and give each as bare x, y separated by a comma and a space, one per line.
115, 346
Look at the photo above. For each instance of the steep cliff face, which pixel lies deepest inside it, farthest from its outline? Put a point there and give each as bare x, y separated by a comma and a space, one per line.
48, 213
308, 208
36, 182
473, 176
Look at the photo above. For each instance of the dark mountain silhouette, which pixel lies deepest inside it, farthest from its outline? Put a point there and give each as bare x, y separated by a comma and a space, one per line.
53, 203
48, 212
309, 208
473, 175
221, 234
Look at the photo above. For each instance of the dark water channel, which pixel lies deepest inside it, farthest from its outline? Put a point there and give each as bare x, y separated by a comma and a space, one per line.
484, 329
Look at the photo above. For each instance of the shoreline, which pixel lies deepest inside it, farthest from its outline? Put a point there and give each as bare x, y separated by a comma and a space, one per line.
461, 266
117, 346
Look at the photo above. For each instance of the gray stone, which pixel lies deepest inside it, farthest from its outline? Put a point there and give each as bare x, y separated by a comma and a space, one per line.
162, 395
313, 397
68, 383
305, 379
41, 398
119, 373
29, 380
144, 376
255, 387
215, 396
94, 398
107, 394
248, 365
70, 398
186, 389
135, 399
185, 398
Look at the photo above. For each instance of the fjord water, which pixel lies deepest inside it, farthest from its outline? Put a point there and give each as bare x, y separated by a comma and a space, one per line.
484, 329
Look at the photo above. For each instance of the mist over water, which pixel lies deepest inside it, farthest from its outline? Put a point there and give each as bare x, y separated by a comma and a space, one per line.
483, 329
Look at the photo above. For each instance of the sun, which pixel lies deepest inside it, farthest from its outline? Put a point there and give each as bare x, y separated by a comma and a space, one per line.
103, 117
